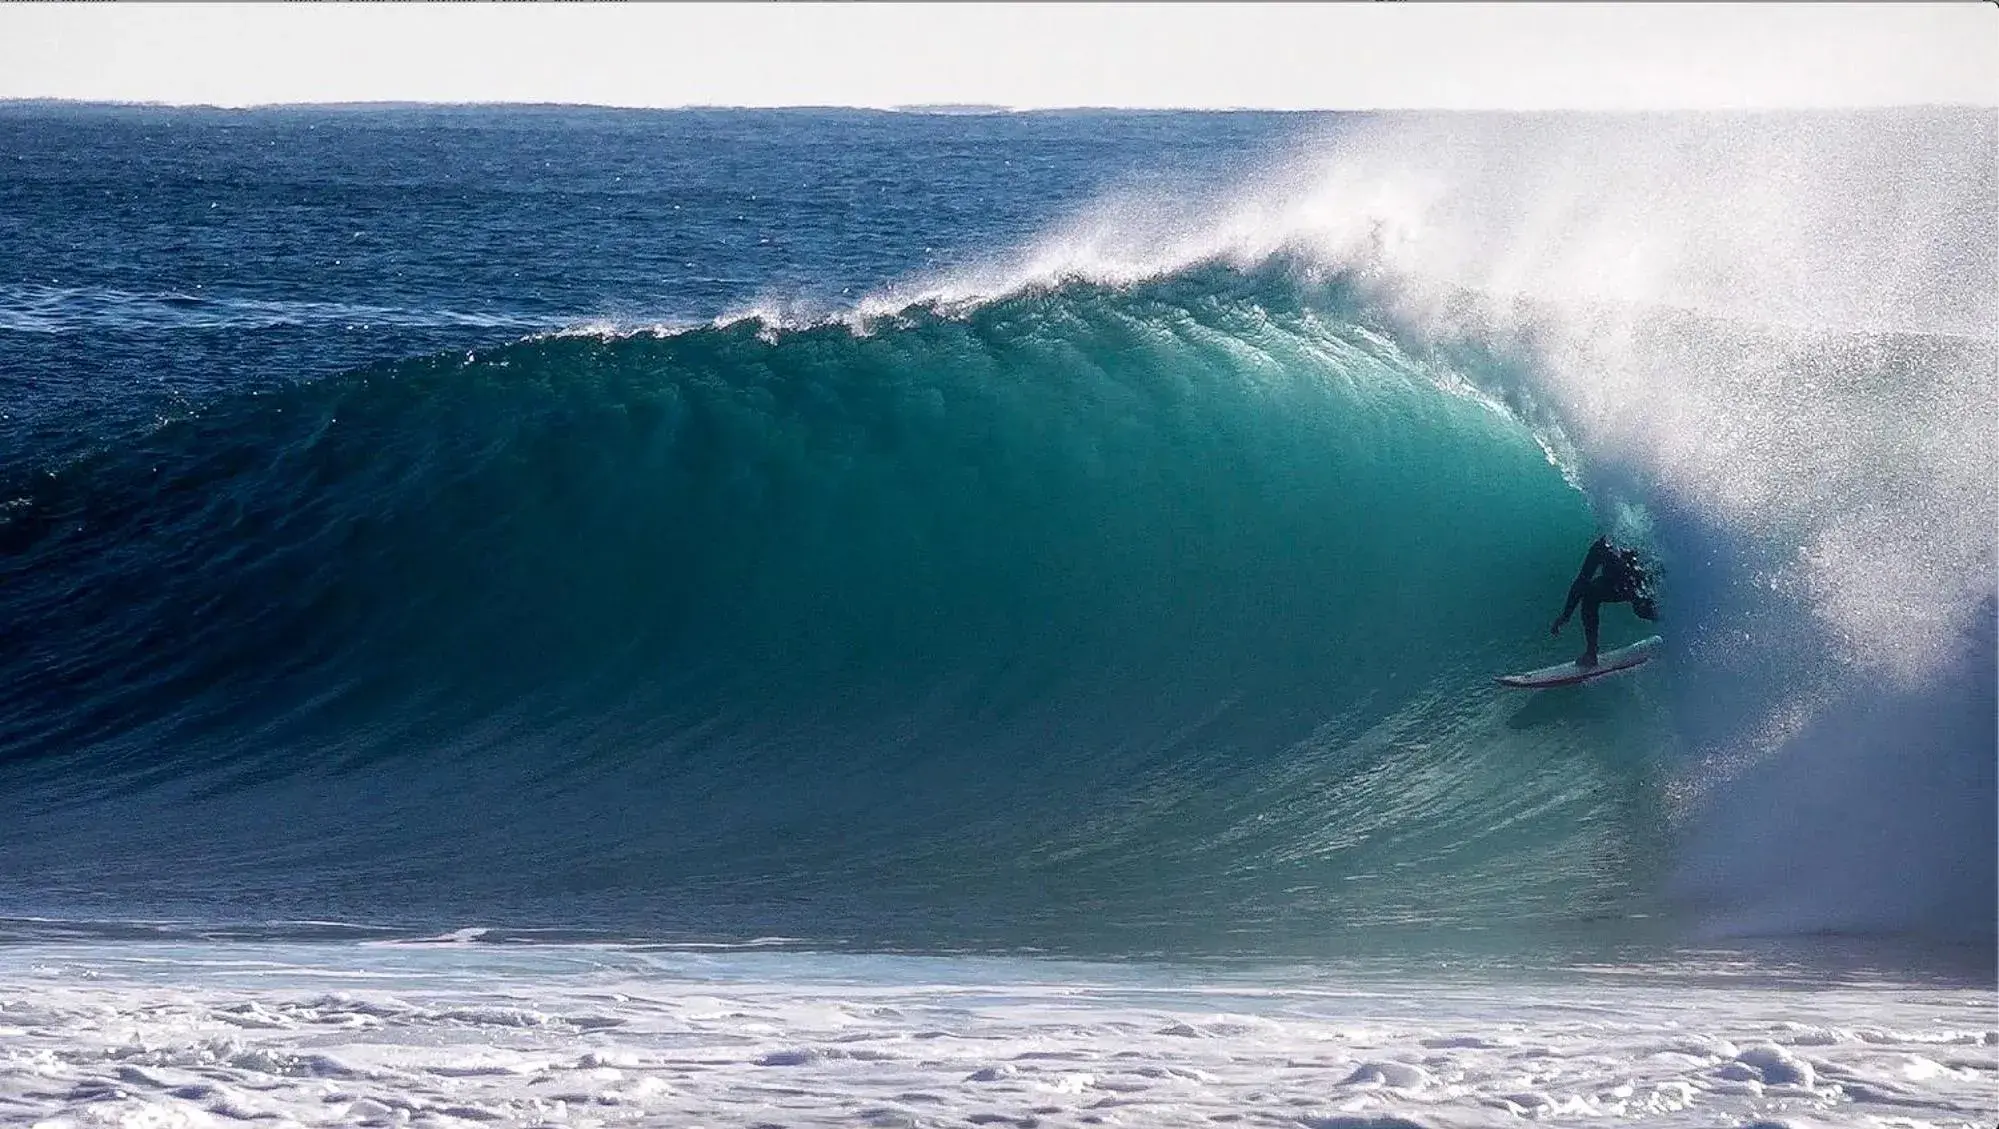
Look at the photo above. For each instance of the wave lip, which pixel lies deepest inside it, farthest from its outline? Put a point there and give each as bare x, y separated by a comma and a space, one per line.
30, 308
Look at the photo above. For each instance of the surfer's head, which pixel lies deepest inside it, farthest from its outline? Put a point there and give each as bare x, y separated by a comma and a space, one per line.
1645, 608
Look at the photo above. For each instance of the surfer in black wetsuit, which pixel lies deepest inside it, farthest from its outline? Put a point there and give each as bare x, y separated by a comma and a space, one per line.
1610, 575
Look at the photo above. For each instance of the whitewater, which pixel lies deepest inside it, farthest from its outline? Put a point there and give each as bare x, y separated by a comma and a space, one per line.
825, 617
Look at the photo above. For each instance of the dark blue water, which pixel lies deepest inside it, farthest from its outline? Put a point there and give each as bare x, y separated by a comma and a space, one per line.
158, 256
401, 529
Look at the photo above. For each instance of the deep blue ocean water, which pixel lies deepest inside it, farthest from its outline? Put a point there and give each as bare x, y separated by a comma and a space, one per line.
404, 527
285, 243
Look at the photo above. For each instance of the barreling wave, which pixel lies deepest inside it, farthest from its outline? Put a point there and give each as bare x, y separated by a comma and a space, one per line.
1109, 600
1086, 597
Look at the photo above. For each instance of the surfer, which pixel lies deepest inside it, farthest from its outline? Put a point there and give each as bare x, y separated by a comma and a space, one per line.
1609, 575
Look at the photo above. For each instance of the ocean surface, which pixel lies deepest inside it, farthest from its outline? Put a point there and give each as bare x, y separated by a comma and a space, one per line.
543, 615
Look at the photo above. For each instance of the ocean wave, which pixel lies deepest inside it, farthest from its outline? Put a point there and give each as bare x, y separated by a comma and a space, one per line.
1059, 580
1140, 592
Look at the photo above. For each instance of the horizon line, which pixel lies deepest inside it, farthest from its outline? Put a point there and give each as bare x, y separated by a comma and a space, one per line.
953, 109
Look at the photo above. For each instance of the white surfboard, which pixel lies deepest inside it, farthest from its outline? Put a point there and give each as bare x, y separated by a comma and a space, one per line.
1569, 674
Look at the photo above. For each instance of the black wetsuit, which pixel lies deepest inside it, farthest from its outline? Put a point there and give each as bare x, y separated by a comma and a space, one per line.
1609, 575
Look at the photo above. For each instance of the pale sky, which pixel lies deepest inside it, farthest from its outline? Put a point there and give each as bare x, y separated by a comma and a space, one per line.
1284, 56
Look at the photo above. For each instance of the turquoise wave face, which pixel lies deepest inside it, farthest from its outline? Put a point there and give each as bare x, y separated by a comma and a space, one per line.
1091, 616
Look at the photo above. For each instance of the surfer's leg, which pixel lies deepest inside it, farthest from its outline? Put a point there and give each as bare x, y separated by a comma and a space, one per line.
1590, 605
